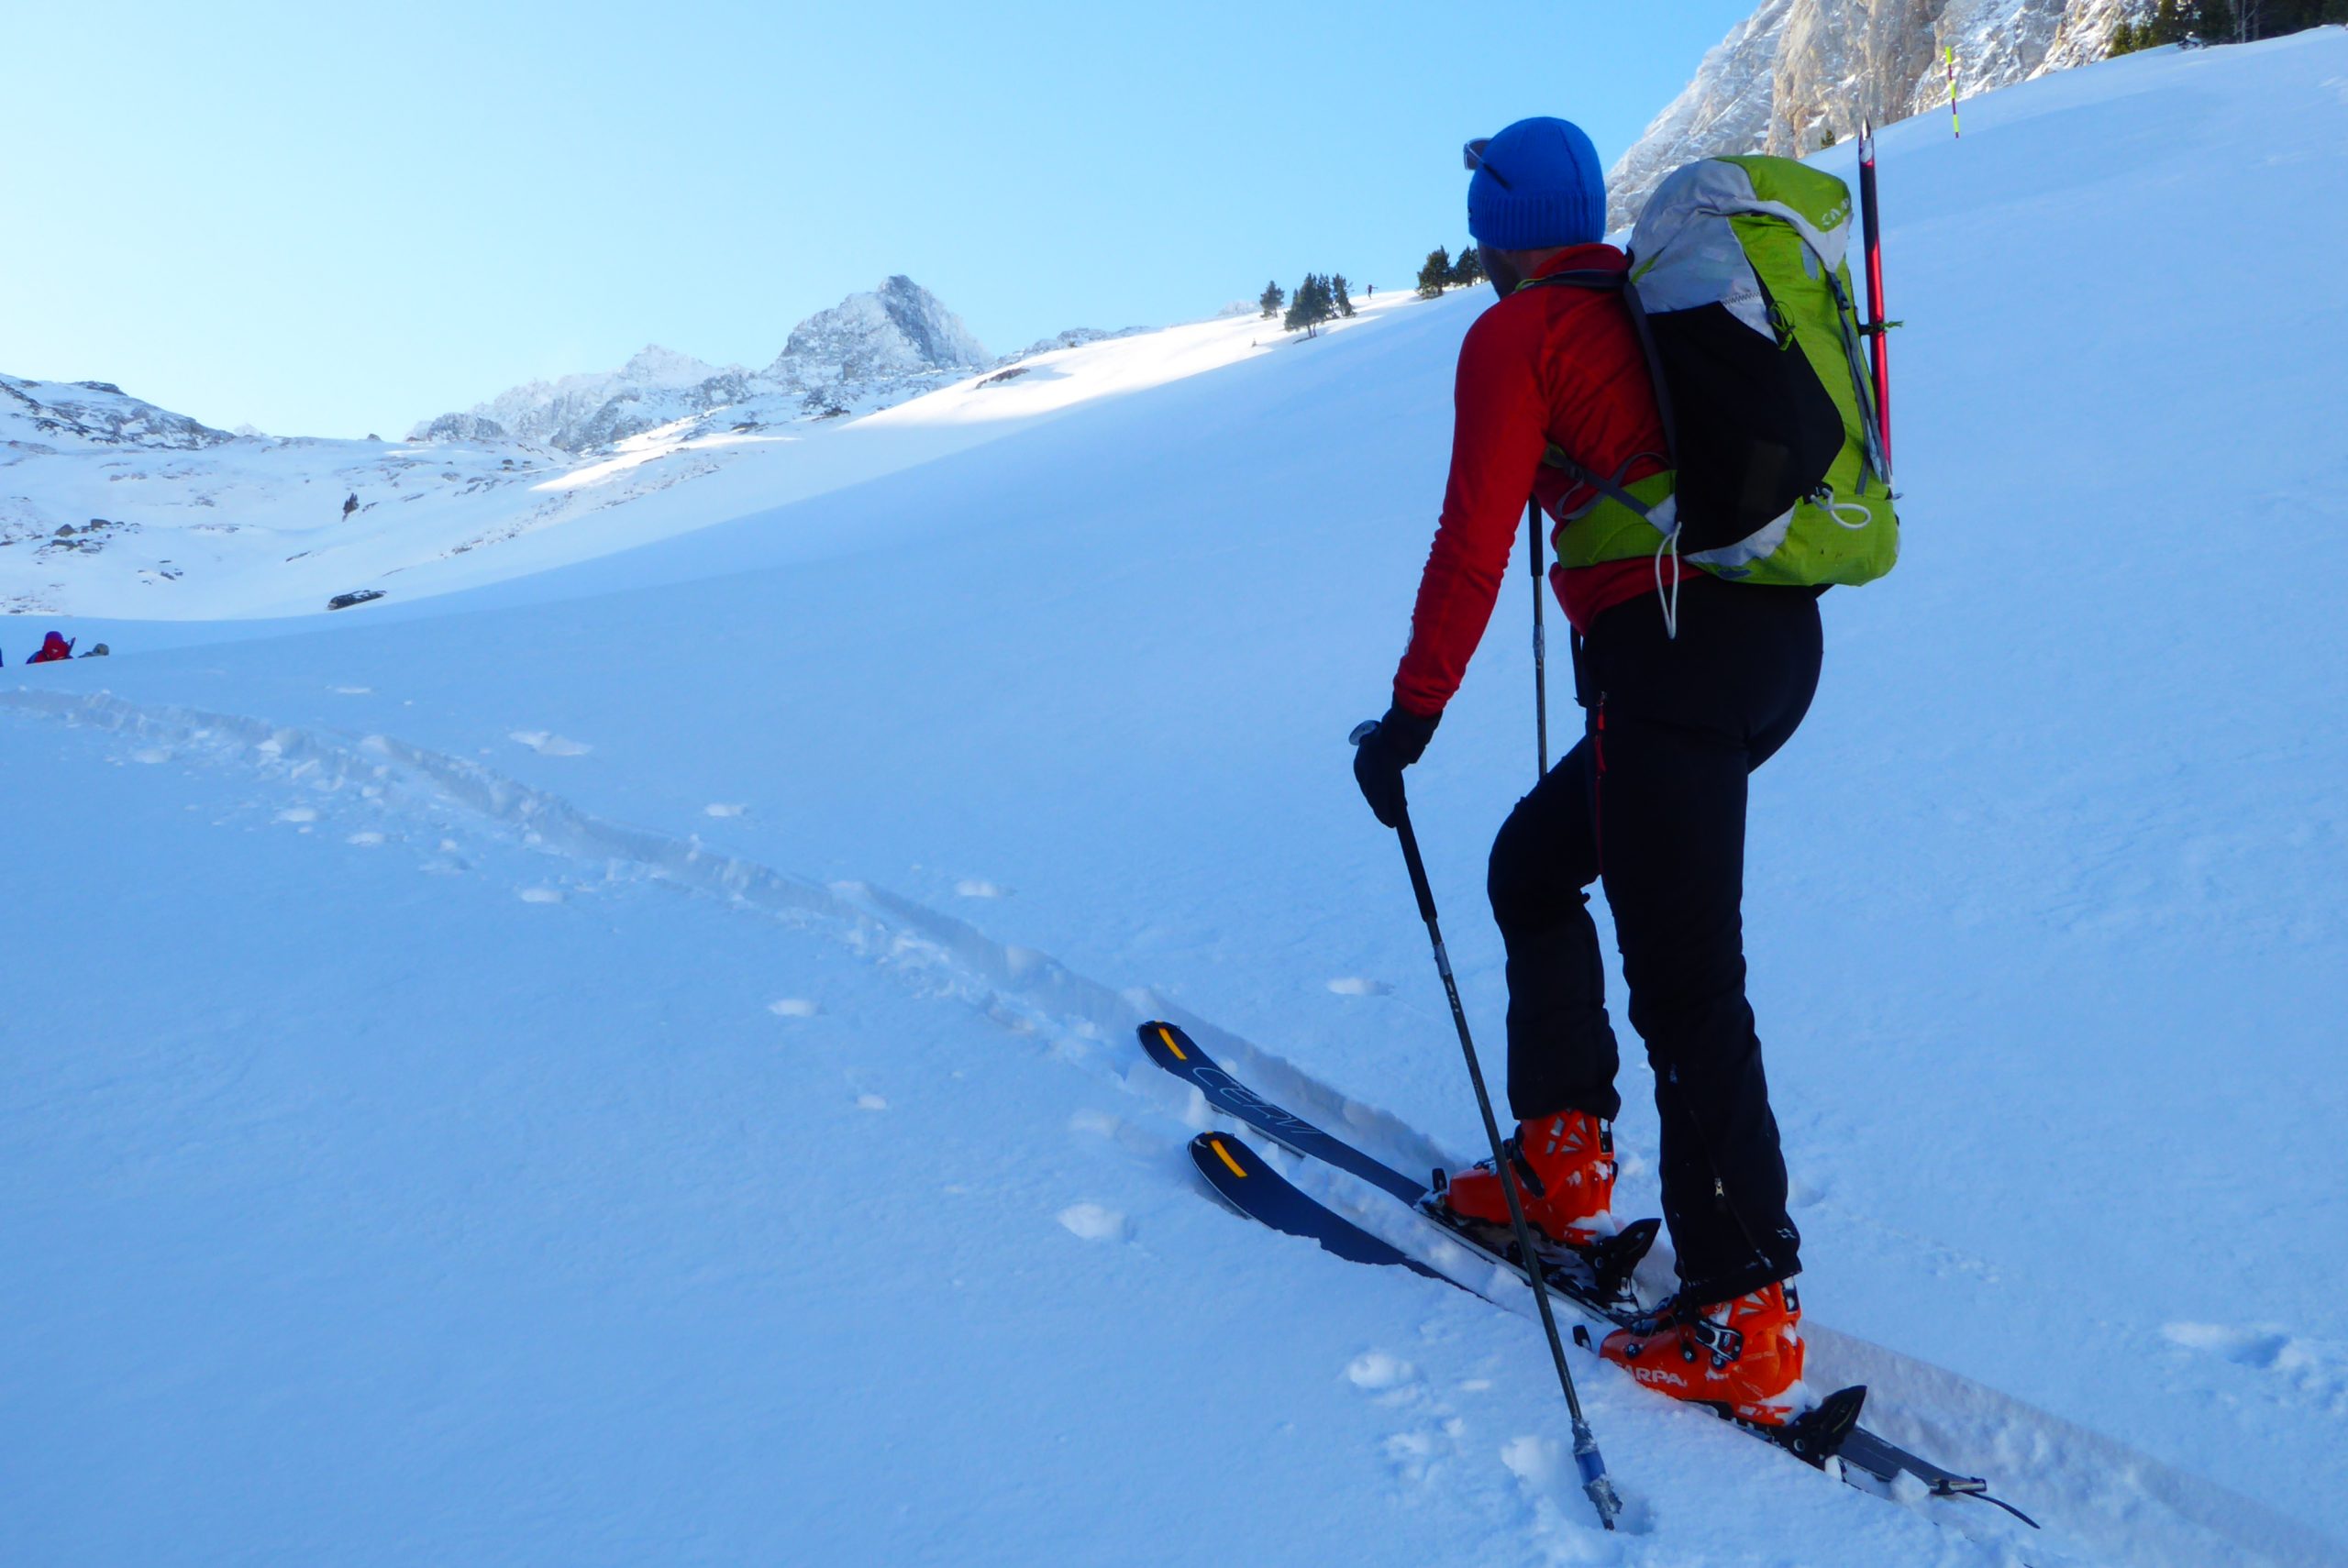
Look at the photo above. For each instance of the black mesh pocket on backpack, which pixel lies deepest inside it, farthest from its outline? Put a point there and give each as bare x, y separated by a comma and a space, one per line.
1755, 429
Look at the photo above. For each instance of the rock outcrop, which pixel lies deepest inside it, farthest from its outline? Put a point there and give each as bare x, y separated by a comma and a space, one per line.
1796, 69
67, 415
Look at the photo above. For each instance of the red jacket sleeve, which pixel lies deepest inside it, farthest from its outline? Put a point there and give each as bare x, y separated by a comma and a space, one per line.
1498, 437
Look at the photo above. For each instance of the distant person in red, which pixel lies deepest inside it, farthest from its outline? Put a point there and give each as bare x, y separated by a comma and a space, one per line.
52, 648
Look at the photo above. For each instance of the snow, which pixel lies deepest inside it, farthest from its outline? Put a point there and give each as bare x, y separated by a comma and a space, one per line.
510, 1159
254, 528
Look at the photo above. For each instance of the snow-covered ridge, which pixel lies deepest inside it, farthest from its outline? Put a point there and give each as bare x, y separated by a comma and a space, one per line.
112, 506
1796, 69
870, 350
83, 415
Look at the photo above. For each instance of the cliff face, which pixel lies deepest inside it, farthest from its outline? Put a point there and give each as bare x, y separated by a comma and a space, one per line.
1797, 69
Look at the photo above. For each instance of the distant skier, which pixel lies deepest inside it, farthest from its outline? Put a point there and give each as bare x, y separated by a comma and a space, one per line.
52, 648
1651, 802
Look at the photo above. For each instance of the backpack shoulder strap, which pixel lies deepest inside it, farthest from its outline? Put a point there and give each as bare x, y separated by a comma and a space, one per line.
1596, 279
1618, 283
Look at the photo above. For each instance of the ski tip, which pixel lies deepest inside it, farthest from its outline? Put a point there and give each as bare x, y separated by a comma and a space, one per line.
1166, 1043
1211, 1150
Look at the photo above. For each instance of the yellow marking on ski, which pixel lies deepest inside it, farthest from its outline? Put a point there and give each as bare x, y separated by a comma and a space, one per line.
1167, 1035
1224, 1155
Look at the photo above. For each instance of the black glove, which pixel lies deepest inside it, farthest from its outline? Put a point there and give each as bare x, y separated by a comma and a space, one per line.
1394, 744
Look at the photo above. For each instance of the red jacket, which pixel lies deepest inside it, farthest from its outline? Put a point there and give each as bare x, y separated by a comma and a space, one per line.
1557, 364
53, 648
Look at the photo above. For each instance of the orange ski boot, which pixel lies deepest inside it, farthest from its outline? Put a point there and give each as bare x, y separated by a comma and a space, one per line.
1743, 1356
1565, 1173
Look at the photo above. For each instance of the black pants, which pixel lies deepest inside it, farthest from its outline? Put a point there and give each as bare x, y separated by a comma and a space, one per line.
1651, 800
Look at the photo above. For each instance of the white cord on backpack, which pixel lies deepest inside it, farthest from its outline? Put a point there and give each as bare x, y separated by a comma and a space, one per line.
1670, 596
1835, 509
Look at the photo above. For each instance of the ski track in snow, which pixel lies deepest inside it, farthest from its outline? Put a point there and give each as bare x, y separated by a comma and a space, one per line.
2091, 1491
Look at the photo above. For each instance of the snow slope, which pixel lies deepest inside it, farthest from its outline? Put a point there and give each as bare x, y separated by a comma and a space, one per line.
165, 519
631, 1064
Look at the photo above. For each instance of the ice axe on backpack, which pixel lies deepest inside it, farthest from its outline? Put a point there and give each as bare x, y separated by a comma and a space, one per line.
1876, 327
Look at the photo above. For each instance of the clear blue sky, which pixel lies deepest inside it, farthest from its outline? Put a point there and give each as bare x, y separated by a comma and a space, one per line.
337, 219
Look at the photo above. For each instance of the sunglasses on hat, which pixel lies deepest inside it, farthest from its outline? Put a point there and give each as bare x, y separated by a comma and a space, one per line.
1472, 155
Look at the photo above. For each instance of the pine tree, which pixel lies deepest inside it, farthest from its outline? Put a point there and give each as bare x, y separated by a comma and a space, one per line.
1270, 300
1826, 137
2213, 21
1436, 276
1469, 267
1313, 303
1344, 301
2168, 26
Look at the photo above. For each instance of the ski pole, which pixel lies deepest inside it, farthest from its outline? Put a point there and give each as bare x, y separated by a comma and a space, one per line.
1540, 644
1595, 1482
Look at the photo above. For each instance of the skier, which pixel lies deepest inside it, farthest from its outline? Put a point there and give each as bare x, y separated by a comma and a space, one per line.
53, 647
1687, 682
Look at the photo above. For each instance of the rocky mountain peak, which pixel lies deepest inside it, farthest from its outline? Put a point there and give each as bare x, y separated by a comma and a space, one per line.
871, 349
897, 329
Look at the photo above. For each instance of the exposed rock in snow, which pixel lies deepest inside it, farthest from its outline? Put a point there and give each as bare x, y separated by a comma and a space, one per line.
1726, 108
899, 329
65, 416
2086, 30
1077, 338
581, 411
1797, 69
462, 427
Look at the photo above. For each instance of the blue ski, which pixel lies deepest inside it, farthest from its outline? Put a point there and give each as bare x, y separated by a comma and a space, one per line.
1244, 1181
1241, 1178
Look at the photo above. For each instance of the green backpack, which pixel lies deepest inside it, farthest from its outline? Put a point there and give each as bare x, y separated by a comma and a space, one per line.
1742, 302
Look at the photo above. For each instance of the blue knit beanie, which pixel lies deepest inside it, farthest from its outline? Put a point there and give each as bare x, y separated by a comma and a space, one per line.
1539, 185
